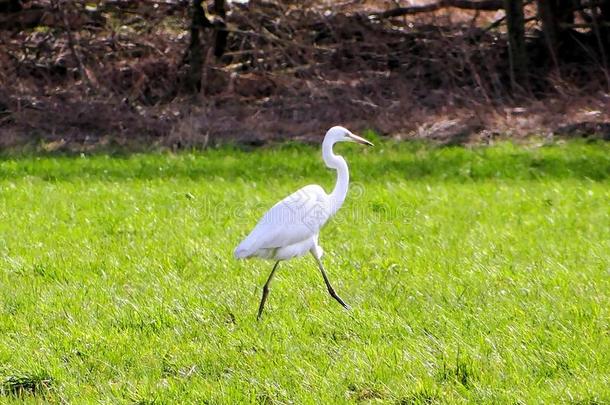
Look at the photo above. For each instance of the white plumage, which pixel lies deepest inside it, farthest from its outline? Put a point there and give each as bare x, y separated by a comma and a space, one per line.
291, 227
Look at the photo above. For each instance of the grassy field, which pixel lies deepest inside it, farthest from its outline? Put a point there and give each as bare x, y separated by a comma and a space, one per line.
474, 275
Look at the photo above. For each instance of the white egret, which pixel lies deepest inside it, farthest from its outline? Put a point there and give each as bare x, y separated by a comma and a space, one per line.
291, 227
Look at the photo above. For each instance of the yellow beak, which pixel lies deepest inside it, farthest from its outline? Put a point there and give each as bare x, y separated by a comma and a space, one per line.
358, 139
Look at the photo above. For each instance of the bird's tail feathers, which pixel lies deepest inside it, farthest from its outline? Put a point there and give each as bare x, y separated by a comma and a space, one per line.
243, 251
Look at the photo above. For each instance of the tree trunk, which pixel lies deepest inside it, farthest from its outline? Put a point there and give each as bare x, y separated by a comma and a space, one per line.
553, 14
605, 18
196, 54
550, 28
221, 32
605, 8
195, 51
516, 44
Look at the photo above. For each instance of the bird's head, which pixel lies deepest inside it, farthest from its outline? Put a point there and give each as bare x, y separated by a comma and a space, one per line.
340, 134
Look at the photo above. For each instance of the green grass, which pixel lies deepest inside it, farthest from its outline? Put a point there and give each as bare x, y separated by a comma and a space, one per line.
475, 276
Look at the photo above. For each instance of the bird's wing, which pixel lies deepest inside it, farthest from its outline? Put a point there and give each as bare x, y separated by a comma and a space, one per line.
294, 219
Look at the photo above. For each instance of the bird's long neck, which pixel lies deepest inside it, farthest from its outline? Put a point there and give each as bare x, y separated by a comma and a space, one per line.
333, 161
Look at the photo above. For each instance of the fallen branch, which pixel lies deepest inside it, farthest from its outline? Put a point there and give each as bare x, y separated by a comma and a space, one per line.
587, 25
483, 5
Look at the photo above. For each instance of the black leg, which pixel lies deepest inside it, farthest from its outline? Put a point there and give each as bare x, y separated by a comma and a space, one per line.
266, 291
330, 288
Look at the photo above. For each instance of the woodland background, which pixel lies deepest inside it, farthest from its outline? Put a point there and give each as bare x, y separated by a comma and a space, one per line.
82, 75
